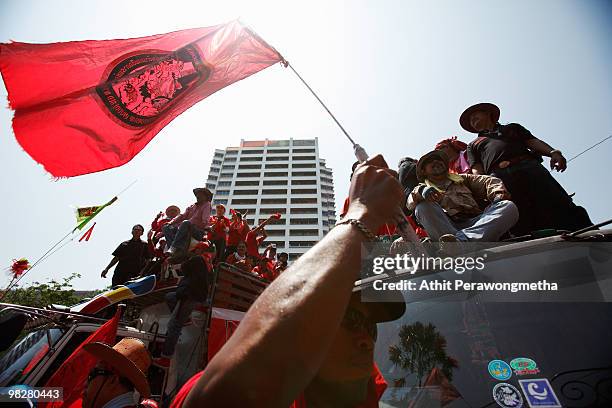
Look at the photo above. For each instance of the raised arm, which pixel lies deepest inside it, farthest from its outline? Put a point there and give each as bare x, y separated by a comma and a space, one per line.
283, 339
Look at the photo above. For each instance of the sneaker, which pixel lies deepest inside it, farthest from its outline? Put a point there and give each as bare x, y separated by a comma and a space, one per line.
161, 362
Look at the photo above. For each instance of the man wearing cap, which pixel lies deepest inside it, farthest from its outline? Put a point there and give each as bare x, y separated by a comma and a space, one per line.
192, 223
308, 340
511, 153
446, 204
456, 151
121, 370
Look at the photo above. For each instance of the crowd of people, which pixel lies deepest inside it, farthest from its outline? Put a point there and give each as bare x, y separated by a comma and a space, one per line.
308, 339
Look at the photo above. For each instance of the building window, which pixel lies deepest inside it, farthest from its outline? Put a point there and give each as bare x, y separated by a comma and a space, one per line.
303, 150
304, 201
214, 170
328, 188
230, 167
219, 201
245, 192
326, 172
275, 182
247, 183
280, 174
303, 173
230, 159
249, 166
304, 232
274, 158
252, 152
218, 154
244, 201
303, 142
302, 244
212, 177
304, 210
225, 183
278, 143
216, 162
324, 195
231, 152
244, 175
250, 159
302, 182
272, 210
274, 191
303, 165
303, 191
304, 221
274, 221
303, 158
277, 166
277, 151
222, 192
274, 201
275, 233
211, 186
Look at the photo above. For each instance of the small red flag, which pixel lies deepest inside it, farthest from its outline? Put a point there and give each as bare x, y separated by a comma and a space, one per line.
87, 234
72, 374
86, 106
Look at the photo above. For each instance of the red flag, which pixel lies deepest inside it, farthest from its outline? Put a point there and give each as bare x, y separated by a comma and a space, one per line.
87, 106
87, 234
72, 374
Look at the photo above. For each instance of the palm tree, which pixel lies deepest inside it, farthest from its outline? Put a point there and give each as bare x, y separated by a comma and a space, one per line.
421, 348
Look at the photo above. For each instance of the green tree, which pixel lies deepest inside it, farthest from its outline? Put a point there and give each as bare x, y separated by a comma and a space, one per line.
43, 294
420, 349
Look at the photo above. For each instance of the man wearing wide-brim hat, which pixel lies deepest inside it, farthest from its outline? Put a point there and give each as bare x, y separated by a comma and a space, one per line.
121, 371
447, 204
513, 154
192, 223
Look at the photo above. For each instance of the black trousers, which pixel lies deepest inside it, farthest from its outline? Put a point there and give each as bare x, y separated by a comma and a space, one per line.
541, 200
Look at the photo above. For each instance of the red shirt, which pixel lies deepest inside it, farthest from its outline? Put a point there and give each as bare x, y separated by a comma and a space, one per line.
238, 232
376, 388
253, 242
218, 224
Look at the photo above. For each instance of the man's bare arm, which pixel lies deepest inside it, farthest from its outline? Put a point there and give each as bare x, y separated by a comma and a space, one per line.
283, 339
557, 161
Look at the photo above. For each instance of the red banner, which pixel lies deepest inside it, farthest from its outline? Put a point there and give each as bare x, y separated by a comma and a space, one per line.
71, 375
86, 106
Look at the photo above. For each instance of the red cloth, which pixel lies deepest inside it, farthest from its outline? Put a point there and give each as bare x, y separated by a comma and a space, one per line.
157, 224
220, 332
253, 242
86, 106
238, 232
218, 224
72, 374
376, 388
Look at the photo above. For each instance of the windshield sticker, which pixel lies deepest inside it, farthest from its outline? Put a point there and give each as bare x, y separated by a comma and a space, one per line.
500, 370
507, 396
524, 366
539, 393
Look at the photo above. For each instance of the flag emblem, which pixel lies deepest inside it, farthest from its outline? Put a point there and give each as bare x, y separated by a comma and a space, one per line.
138, 87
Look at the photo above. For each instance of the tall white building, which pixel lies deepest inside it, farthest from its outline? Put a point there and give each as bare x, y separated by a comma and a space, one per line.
263, 177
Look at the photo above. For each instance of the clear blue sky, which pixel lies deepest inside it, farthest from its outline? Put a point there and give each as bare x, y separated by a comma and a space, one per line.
396, 73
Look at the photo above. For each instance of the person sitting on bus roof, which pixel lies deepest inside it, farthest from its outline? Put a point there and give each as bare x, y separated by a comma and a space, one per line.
446, 204
237, 233
257, 235
308, 340
456, 151
192, 223
263, 269
281, 263
511, 153
122, 369
238, 258
191, 289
